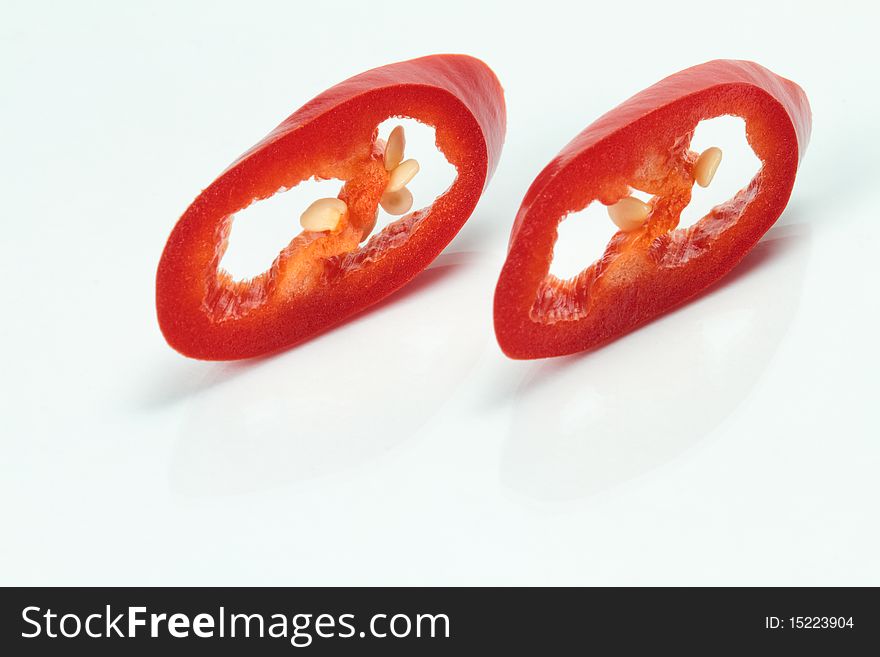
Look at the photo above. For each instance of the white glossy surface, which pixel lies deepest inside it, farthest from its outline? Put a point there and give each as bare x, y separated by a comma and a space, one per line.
734, 441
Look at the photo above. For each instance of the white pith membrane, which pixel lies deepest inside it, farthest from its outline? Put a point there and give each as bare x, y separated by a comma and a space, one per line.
261, 231
590, 230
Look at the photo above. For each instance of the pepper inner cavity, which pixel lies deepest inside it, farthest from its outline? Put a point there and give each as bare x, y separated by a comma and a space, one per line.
738, 166
669, 187
342, 207
717, 160
259, 232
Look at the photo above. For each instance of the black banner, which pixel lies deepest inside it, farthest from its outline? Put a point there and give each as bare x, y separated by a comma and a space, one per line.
418, 621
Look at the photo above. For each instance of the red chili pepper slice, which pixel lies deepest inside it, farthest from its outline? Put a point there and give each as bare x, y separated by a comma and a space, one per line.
322, 278
644, 144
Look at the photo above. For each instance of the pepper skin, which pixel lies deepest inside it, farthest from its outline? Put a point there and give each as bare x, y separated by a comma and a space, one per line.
320, 279
643, 144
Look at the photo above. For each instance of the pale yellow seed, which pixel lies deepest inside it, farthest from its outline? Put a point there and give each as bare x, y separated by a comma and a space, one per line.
706, 166
397, 203
401, 175
323, 214
394, 148
629, 213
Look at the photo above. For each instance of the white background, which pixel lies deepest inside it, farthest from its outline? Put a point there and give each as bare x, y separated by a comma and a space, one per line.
734, 441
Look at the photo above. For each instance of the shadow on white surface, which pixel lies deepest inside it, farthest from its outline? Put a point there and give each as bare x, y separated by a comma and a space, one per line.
181, 378
582, 424
176, 379
349, 396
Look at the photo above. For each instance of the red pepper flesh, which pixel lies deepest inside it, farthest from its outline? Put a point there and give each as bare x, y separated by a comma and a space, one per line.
320, 279
643, 145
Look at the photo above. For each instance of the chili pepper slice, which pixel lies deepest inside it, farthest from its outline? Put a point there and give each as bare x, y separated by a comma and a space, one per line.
325, 275
649, 266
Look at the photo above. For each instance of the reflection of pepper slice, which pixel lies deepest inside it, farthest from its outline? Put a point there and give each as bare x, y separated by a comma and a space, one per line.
643, 144
321, 278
